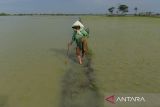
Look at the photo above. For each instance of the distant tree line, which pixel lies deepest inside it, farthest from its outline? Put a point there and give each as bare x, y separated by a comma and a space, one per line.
120, 10
123, 9
44, 14
4, 14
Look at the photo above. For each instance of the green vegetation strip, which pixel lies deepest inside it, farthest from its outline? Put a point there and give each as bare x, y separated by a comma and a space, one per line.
78, 85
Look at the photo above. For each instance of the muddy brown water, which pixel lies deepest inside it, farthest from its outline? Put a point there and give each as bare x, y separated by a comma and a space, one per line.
33, 51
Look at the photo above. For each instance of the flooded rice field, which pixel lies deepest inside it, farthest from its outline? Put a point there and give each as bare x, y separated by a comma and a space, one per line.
124, 58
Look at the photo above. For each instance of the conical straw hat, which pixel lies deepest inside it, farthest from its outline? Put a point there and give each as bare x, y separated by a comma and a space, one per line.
78, 23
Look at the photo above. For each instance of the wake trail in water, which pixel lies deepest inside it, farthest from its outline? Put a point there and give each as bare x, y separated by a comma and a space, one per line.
79, 87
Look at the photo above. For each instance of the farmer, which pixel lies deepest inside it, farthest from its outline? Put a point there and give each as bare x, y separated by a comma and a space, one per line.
80, 37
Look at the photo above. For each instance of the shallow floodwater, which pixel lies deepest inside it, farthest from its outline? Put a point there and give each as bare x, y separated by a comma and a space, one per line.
30, 69
126, 53
33, 51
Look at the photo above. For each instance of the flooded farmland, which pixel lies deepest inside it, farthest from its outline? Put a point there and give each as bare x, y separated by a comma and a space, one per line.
125, 59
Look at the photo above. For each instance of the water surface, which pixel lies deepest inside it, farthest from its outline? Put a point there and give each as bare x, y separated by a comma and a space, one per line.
33, 50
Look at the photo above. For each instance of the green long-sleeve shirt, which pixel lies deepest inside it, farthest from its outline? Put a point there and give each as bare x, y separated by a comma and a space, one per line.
78, 35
